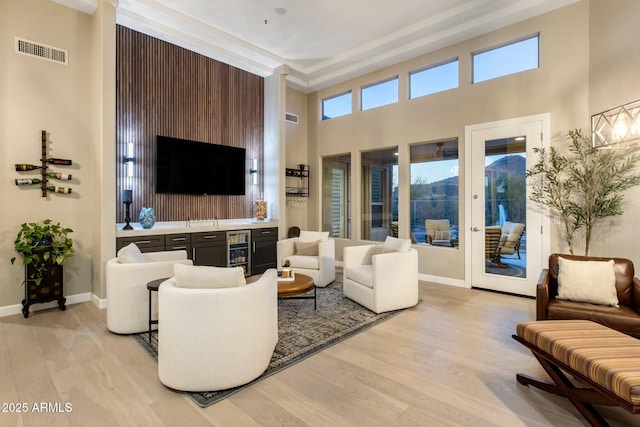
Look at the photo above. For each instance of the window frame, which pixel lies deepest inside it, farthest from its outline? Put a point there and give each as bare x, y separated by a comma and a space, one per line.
377, 83
338, 95
501, 46
383, 161
418, 228
431, 67
331, 163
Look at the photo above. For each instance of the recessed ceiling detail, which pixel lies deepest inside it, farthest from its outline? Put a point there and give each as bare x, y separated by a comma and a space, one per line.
325, 42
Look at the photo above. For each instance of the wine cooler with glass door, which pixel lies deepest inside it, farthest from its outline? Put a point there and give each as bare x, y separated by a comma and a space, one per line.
238, 253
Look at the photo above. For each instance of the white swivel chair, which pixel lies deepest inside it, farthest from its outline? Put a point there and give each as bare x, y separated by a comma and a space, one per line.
381, 277
219, 337
127, 277
312, 253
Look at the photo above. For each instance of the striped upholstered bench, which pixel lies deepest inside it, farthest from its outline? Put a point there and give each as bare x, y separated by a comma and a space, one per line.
606, 360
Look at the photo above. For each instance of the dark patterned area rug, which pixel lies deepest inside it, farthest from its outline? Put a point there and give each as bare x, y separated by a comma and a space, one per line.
302, 332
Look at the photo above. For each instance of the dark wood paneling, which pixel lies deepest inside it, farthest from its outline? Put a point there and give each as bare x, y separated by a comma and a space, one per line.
163, 89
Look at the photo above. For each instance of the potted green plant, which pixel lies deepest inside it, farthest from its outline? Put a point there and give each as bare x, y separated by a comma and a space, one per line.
582, 185
42, 244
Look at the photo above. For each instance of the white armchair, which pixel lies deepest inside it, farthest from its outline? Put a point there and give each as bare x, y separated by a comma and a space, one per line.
381, 277
312, 253
127, 294
216, 338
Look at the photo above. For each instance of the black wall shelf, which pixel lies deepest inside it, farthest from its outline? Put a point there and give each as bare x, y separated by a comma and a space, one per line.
297, 181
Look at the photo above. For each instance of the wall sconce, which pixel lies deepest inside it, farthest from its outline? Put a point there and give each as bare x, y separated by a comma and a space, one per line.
128, 162
254, 171
617, 127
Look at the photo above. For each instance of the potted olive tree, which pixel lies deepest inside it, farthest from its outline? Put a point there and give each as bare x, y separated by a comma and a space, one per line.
581, 185
45, 247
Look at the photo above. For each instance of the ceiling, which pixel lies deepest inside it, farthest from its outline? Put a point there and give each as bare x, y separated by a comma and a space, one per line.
321, 42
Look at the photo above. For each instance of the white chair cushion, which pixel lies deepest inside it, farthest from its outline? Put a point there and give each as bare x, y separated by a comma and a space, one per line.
587, 281
312, 236
130, 254
304, 261
205, 277
400, 245
362, 274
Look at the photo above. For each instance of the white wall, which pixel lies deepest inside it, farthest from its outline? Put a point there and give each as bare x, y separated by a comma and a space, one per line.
34, 95
296, 153
559, 86
613, 81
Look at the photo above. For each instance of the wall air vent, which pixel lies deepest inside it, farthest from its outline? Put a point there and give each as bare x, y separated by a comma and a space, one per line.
39, 50
291, 118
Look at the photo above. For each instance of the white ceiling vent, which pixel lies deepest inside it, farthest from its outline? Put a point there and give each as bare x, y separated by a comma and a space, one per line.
41, 51
291, 118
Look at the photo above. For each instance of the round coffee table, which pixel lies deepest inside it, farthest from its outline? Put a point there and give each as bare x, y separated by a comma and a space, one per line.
294, 289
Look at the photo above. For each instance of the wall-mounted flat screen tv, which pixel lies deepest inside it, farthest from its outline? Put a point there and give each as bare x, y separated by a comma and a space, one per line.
191, 167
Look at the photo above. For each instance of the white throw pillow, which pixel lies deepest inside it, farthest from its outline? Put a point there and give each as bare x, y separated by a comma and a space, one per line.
442, 235
587, 281
312, 236
377, 250
130, 254
205, 277
400, 245
306, 248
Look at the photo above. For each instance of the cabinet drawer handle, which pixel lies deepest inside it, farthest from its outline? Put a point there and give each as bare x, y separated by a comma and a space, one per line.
178, 247
178, 239
266, 232
210, 237
143, 242
254, 247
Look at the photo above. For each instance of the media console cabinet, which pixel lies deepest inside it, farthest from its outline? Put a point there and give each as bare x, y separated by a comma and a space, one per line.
211, 243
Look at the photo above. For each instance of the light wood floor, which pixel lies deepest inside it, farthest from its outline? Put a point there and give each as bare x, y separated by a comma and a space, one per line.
450, 361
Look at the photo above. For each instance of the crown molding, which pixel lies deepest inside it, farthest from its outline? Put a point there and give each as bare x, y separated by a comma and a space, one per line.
86, 6
454, 25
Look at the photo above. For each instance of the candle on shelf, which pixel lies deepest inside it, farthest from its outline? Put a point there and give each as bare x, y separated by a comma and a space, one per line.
127, 196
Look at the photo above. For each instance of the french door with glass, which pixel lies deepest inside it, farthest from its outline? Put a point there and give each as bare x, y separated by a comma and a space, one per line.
507, 234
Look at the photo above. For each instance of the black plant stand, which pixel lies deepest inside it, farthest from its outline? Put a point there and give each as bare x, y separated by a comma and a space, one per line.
50, 289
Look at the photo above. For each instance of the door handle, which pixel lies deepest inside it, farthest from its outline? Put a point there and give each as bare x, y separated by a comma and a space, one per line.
475, 229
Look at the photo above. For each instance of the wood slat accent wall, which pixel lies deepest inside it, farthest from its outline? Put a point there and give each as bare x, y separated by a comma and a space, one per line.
163, 89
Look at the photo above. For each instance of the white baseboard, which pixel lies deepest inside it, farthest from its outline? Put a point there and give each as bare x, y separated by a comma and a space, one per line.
71, 299
101, 303
443, 280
